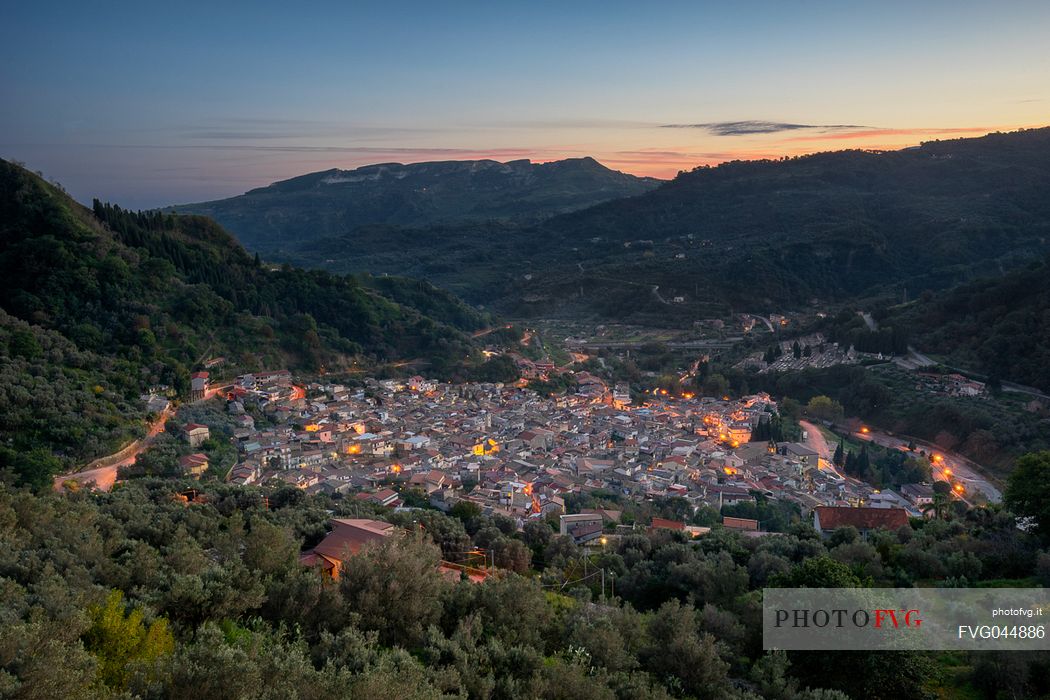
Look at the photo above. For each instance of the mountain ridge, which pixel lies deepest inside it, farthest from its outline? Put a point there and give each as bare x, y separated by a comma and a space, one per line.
336, 201
756, 235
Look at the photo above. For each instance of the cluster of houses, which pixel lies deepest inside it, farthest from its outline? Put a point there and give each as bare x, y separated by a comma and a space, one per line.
952, 384
516, 453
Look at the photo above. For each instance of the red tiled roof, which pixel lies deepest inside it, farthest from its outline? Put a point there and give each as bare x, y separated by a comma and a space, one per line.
583, 529
833, 517
350, 535
667, 524
739, 523
193, 460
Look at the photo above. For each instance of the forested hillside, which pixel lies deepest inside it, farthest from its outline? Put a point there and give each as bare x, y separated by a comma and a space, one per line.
99, 306
999, 327
759, 235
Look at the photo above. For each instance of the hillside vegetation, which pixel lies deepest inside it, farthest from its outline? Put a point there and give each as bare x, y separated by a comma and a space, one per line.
99, 306
756, 236
999, 327
137, 593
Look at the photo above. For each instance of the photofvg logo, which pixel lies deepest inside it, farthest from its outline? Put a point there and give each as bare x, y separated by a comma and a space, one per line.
840, 617
904, 618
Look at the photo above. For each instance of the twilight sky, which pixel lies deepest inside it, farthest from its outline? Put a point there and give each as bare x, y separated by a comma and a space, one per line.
146, 104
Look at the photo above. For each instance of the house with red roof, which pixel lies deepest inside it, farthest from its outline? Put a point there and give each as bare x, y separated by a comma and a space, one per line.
194, 465
350, 535
827, 519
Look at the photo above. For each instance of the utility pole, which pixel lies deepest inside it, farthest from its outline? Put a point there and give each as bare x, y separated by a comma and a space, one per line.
603, 583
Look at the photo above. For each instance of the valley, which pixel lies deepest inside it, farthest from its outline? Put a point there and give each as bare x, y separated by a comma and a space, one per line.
525, 351
682, 360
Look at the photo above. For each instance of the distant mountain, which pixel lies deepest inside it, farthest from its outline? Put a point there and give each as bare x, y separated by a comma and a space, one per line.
98, 306
755, 235
335, 202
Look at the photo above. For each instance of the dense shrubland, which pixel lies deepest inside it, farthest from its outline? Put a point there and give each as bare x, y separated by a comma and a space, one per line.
137, 593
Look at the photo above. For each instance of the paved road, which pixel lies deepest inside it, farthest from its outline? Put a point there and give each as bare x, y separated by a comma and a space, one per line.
815, 440
676, 345
763, 319
104, 476
949, 467
486, 331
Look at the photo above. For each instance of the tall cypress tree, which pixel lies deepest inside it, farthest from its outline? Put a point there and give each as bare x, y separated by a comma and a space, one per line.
863, 461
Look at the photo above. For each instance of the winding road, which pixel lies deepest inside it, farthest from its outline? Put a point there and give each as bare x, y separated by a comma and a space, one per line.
102, 472
946, 466
104, 475
816, 441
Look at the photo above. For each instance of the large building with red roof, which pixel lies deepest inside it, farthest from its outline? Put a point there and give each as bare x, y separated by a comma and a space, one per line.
827, 519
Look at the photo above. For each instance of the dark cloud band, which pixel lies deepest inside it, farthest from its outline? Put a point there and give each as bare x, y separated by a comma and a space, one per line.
759, 127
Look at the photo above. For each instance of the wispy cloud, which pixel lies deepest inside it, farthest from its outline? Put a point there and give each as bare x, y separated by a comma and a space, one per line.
880, 133
658, 156
756, 126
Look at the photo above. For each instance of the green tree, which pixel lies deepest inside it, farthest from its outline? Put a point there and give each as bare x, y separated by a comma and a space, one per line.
395, 588
770, 674
716, 385
33, 467
268, 548
24, 343
537, 534
465, 510
677, 650
942, 497
790, 409
1028, 490
863, 462
818, 572
120, 640
824, 408
849, 465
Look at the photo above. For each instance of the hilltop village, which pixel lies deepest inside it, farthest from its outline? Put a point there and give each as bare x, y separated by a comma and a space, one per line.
514, 452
